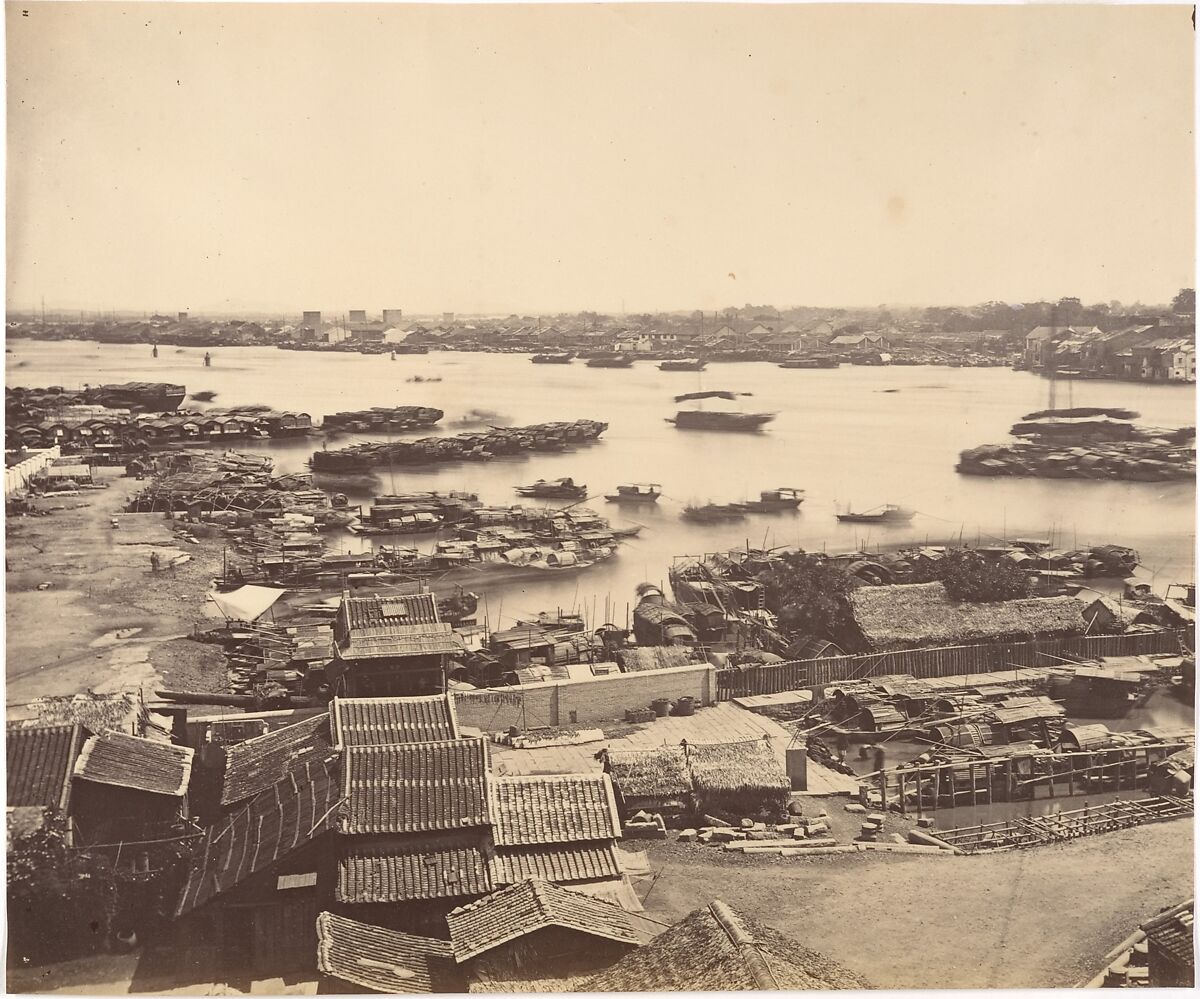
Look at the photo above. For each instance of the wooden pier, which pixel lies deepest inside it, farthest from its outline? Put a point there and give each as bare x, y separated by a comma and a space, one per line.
1038, 830
984, 780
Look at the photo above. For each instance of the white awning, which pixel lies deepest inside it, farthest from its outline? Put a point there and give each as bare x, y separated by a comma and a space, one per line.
246, 603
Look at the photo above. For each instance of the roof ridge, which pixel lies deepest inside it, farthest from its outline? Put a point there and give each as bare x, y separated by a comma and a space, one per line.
745, 944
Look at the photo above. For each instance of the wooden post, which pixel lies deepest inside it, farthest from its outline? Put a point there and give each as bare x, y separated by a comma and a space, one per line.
937, 787
903, 801
1051, 759
883, 799
920, 793
974, 791
1071, 774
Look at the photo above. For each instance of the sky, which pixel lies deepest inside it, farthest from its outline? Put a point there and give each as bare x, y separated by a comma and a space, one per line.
612, 158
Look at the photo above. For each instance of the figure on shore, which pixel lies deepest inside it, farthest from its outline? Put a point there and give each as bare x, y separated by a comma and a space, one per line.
207, 359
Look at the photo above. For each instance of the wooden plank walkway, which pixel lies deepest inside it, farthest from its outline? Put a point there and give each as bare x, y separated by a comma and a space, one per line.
725, 722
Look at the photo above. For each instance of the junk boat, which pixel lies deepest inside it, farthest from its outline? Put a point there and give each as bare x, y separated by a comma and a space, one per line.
636, 492
683, 364
552, 358
701, 419
810, 362
773, 501
713, 513
155, 397
554, 489
890, 514
611, 361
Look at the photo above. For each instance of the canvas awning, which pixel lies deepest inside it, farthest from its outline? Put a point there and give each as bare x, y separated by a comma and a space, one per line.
246, 603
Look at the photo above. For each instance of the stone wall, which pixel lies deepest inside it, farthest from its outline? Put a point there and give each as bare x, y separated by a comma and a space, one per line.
581, 702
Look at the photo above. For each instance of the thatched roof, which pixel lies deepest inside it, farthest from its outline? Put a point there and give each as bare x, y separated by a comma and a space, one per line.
737, 766
921, 614
654, 657
650, 773
716, 949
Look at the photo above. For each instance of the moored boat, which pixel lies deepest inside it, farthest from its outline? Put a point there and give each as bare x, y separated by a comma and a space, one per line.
716, 419
683, 364
810, 362
774, 501
552, 358
636, 492
553, 489
890, 514
712, 513
611, 361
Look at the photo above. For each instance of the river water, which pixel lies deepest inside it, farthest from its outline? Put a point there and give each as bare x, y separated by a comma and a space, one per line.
851, 435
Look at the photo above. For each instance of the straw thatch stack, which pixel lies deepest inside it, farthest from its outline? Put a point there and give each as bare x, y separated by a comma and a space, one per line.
653, 773
739, 777
922, 614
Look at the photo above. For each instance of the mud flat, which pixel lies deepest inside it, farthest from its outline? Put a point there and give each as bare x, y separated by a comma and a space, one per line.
101, 622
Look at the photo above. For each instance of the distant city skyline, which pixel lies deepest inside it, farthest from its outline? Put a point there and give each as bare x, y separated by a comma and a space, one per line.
623, 160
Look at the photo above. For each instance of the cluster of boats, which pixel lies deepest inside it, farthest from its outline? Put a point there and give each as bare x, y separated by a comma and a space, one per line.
358, 458
386, 419
777, 500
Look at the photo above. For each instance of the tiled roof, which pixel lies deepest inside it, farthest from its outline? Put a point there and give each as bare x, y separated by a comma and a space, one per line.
557, 863
717, 950
1172, 932
553, 809
414, 867
401, 640
140, 764
257, 764
269, 826
380, 721
40, 762
528, 907
386, 961
415, 787
405, 608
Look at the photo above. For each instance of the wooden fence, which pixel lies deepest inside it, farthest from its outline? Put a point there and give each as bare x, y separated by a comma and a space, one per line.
948, 661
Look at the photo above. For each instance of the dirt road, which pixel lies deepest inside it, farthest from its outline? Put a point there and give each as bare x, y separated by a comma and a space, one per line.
1037, 918
101, 623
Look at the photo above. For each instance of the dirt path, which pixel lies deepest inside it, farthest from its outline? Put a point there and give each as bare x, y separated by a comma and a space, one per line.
98, 625
1037, 918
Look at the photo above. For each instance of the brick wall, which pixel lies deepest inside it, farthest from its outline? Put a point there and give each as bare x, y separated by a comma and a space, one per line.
584, 702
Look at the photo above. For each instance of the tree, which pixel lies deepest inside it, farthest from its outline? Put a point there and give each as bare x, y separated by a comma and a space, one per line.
967, 575
808, 594
1184, 303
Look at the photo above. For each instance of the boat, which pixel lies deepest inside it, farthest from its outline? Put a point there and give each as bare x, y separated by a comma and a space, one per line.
611, 361
553, 489
810, 362
155, 397
683, 364
701, 419
774, 501
890, 514
552, 358
713, 513
636, 492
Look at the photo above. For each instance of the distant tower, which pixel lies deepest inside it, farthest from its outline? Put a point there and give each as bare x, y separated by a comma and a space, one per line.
182, 316
312, 320
392, 316
358, 315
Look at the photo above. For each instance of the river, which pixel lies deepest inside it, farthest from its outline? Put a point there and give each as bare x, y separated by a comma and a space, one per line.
851, 435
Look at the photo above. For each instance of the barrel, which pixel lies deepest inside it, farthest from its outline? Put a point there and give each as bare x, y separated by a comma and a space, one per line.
685, 706
662, 707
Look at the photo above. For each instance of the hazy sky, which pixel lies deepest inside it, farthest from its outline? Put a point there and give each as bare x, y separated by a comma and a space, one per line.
184, 156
